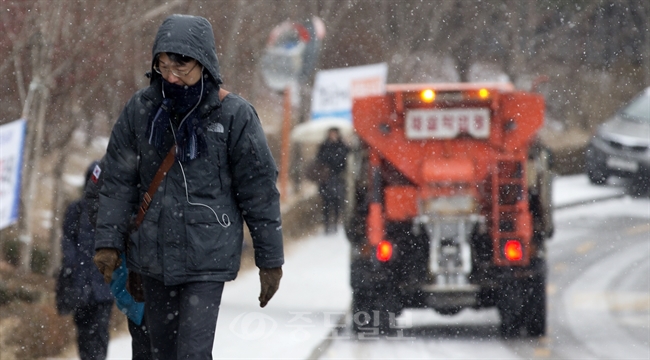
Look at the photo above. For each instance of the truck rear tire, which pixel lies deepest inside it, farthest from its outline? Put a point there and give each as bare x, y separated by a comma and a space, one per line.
511, 307
523, 305
373, 315
361, 313
535, 307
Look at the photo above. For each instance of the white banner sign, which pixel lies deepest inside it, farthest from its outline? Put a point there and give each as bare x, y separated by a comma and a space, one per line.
12, 136
334, 89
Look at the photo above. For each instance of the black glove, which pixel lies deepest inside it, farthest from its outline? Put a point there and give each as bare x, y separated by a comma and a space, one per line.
270, 282
107, 260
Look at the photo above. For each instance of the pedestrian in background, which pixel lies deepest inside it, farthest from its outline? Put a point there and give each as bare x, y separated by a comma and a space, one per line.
134, 310
332, 156
190, 240
86, 294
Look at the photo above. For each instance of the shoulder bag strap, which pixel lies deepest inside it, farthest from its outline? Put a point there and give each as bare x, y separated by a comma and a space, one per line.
157, 179
223, 93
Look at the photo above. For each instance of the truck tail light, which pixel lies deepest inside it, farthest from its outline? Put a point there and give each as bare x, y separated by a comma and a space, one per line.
512, 250
384, 251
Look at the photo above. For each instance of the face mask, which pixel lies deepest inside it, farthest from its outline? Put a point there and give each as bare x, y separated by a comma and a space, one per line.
182, 97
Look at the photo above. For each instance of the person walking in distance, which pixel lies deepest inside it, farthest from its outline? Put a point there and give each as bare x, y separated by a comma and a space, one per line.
332, 155
87, 296
134, 310
222, 173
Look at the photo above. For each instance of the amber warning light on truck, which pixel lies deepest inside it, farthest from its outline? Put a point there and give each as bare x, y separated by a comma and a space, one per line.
428, 95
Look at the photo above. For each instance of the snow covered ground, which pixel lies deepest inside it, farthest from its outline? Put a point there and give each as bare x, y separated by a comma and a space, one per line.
314, 294
576, 189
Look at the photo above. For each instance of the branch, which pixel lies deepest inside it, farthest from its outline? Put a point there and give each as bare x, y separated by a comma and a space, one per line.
157, 11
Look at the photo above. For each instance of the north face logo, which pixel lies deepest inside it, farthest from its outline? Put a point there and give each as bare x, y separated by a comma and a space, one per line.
215, 127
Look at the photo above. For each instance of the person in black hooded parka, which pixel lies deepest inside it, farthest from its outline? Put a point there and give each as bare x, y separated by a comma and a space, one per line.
90, 297
332, 156
190, 241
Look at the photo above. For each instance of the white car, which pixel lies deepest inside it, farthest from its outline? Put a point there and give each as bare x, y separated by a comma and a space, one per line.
621, 146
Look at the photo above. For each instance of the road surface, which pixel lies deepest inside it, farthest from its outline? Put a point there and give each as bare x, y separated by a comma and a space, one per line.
599, 297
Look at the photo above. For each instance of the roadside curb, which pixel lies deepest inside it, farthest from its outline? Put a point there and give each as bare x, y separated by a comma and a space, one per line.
321, 348
587, 202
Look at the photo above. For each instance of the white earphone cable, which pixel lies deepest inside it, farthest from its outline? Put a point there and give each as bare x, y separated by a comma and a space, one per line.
225, 220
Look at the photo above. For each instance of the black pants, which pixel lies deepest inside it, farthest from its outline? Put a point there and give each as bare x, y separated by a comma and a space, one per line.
330, 214
331, 193
92, 330
140, 343
182, 319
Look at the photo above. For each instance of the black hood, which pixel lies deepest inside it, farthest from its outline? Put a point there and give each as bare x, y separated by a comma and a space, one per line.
190, 36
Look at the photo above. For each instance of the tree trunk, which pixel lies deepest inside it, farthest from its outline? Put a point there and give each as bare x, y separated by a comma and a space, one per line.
58, 211
24, 219
31, 173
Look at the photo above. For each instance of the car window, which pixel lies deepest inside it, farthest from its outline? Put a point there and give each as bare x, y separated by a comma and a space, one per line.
639, 108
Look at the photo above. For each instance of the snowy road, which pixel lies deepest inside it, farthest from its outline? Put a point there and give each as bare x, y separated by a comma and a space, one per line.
599, 295
314, 295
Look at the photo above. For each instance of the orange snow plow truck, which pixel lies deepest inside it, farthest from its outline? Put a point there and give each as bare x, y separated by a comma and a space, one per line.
448, 205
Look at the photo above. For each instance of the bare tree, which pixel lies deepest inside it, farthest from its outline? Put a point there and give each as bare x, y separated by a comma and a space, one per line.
69, 47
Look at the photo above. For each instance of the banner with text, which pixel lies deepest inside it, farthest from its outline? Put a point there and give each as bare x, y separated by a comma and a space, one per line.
12, 136
334, 89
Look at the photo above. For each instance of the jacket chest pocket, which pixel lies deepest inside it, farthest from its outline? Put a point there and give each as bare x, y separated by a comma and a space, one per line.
209, 170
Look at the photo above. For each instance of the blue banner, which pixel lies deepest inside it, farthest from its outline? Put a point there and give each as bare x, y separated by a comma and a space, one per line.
12, 137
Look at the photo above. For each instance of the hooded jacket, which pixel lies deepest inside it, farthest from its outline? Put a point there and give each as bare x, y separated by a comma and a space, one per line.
85, 285
193, 230
125, 302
